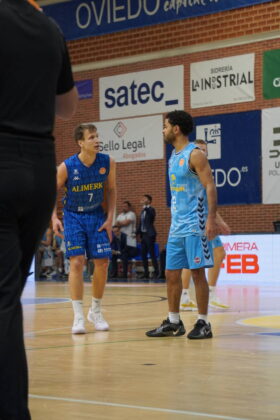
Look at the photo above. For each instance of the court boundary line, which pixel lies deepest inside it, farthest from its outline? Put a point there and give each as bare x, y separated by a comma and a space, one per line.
33, 333
158, 299
137, 407
241, 321
55, 301
93, 343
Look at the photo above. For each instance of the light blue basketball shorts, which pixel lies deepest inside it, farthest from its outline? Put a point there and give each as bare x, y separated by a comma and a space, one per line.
216, 242
188, 252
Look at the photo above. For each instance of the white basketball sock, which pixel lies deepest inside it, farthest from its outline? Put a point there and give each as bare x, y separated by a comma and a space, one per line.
186, 292
96, 305
203, 317
78, 308
212, 289
174, 317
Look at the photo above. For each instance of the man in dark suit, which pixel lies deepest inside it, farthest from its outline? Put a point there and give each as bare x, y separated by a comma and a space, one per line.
120, 250
147, 233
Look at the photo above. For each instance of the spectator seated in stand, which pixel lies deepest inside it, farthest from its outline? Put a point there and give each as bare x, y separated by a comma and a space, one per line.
59, 251
46, 256
121, 251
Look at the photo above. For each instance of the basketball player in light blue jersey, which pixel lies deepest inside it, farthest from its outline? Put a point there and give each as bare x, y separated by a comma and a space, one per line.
186, 303
87, 230
193, 225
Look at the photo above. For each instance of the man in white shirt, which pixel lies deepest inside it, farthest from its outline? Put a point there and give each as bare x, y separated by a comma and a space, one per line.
126, 221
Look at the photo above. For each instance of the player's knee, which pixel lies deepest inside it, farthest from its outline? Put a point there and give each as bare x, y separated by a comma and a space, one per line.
77, 262
173, 276
101, 264
198, 275
219, 253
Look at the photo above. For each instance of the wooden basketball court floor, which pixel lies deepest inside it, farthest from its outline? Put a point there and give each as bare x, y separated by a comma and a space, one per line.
124, 375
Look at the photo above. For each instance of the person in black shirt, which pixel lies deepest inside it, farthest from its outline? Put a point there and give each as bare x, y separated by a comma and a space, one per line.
36, 83
147, 233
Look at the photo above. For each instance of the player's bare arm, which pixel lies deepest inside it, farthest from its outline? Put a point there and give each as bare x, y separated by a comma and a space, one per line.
111, 191
224, 228
199, 163
61, 179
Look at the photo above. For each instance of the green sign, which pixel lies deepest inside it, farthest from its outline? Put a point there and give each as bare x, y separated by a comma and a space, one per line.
271, 74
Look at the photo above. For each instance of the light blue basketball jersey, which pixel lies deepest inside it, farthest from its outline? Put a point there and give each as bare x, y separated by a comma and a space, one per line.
188, 196
84, 189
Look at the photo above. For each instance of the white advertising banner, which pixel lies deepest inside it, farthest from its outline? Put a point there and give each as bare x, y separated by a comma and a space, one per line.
132, 139
251, 259
271, 155
142, 93
222, 81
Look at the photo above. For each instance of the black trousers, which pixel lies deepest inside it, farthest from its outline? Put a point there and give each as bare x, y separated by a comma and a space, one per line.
127, 253
114, 265
27, 197
148, 245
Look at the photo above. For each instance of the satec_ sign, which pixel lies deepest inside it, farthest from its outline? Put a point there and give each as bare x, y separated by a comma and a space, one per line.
142, 93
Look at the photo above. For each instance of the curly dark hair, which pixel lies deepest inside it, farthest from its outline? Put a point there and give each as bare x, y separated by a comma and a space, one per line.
182, 119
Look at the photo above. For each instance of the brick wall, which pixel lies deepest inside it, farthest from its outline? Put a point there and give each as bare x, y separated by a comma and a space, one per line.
225, 25
137, 178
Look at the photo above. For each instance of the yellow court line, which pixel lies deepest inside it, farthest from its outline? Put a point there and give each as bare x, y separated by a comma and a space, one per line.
267, 321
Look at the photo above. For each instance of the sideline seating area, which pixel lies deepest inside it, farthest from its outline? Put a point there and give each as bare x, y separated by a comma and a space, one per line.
135, 266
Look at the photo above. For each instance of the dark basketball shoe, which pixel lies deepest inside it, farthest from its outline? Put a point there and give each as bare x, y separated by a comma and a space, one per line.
201, 330
167, 329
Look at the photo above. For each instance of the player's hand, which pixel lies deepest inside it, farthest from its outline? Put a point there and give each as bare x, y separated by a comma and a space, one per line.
57, 227
107, 225
211, 229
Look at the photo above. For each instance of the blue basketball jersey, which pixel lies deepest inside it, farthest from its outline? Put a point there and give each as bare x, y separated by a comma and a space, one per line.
84, 189
188, 196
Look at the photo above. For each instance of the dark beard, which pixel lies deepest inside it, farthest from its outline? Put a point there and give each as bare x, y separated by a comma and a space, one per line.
169, 140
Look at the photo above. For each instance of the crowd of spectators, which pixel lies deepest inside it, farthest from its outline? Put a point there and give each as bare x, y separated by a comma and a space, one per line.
50, 257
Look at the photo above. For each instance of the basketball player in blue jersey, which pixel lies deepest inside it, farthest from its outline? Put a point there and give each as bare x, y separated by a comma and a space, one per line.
87, 230
193, 225
219, 254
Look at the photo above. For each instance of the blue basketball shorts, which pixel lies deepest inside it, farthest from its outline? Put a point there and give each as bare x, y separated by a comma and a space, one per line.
82, 236
188, 252
216, 242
